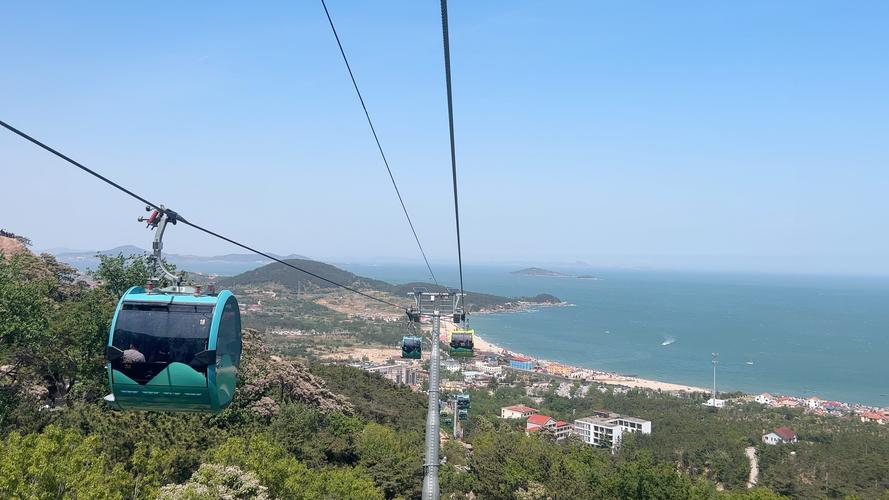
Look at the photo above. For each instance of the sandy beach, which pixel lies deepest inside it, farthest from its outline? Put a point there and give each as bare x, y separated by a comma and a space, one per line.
606, 377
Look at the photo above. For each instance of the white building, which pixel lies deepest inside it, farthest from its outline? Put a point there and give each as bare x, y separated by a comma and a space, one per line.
715, 403
399, 373
813, 402
764, 399
451, 365
489, 369
781, 435
607, 429
517, 411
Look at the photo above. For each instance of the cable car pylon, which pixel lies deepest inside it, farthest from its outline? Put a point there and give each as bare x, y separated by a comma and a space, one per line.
434, 304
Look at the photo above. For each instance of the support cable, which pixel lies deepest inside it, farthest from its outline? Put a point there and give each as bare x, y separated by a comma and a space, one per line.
179, 218
377, 139
447, 61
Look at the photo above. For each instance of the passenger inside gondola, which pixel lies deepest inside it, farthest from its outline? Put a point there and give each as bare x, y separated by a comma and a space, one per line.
164, 334
462, 341
133, 355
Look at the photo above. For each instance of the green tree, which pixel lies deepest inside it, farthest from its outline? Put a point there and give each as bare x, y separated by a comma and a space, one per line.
58, 464
118, 273
392, 460
25, 302
642, 478
287, 477
53, 329
70, 353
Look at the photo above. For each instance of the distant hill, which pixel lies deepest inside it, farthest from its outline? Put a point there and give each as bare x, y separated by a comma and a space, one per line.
228, 264
290, 278
536, 271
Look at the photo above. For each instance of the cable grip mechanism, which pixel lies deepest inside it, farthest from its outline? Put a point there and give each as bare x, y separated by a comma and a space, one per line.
157, 221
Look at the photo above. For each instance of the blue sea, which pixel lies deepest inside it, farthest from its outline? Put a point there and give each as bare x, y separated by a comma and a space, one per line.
786, 334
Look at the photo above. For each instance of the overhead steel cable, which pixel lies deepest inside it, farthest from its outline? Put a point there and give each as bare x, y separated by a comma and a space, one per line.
377, 139
78, 165
181, 219
447, 61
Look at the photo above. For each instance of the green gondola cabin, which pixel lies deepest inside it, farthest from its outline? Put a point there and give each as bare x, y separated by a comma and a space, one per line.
411, 347
174, 351
460, 343
463, 401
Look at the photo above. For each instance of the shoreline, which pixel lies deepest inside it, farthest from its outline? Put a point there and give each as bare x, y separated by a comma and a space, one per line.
598, 376
814, 403
591, 375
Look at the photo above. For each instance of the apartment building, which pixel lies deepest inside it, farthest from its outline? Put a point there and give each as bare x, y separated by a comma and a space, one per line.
606, 429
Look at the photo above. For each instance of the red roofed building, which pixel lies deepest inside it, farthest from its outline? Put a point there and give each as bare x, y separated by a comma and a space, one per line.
517, 411
786, 402
781, 435
875, 416
539, 420
558, 429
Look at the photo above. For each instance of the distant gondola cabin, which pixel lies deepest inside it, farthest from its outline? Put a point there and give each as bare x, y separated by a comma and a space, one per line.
174, 351
411, 347
463, 401
460, 343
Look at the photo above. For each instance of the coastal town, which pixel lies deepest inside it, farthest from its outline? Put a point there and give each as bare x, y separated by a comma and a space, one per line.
493, 364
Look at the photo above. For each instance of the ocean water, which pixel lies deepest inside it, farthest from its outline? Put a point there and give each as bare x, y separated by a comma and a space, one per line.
798, 335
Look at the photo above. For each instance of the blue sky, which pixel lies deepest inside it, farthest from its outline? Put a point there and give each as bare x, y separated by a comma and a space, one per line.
701, 135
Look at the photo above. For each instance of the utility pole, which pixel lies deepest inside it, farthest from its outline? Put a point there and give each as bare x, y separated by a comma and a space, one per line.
456, 418
714, 361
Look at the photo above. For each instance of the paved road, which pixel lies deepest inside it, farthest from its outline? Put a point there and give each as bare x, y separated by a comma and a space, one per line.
754, 466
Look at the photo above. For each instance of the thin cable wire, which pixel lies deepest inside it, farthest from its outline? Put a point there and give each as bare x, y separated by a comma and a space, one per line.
181, 219
78, 165
377, 139
270, 257
447, 61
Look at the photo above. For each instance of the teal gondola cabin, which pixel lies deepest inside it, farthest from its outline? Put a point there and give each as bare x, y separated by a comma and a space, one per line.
174, 351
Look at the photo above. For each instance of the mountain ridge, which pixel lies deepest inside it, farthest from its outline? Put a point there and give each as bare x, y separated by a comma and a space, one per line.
293, 279
226, 264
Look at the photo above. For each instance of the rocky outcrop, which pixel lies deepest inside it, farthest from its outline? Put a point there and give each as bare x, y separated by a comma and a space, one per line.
267, 380
11, 246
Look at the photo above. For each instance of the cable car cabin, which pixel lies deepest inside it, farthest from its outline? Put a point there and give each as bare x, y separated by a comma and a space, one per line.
463, 401
463, 414
411, 347
460, 343
174, 351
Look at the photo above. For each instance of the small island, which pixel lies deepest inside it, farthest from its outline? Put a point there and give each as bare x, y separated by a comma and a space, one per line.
536, 271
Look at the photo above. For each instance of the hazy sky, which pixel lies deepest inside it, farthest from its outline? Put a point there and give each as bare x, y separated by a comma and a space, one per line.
712, 135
